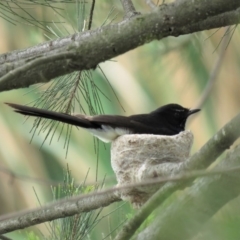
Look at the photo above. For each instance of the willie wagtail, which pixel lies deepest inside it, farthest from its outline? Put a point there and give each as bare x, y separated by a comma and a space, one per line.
167, 120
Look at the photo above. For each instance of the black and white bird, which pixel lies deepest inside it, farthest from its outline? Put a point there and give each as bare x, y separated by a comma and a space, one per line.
167, 120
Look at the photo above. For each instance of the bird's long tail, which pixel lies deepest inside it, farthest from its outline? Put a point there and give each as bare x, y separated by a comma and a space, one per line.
42, 113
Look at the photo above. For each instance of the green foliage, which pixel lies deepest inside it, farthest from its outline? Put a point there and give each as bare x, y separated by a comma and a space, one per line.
32, 236
79, 225
170, 70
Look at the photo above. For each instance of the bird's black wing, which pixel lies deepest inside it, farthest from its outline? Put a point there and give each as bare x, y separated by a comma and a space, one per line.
148, 124
138, 124
115, 121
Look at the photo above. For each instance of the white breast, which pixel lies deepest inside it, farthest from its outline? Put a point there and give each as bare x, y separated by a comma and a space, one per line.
107, 133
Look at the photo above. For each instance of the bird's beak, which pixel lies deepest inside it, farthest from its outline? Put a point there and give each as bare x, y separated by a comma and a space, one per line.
193, 111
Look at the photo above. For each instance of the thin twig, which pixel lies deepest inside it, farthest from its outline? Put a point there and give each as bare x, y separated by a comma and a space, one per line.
151, 4
129, 9
13, 176
16, 176
214, 73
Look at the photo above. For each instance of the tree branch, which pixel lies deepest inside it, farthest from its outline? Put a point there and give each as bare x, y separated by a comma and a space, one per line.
151, 4
59, 209
56, 58
88, 202
129, 9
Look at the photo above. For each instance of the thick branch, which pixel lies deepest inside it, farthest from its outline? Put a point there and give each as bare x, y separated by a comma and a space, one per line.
66, 207
55, 58
60, 209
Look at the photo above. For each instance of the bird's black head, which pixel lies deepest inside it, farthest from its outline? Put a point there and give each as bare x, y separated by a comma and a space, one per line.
175, 116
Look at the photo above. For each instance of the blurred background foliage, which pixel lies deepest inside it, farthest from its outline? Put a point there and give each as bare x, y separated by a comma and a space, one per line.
173, 70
